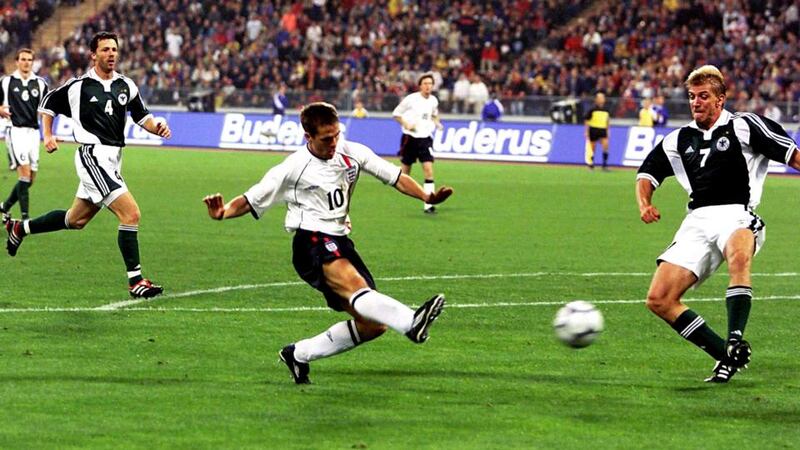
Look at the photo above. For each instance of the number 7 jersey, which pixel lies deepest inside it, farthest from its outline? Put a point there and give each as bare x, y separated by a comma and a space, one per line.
317, 191
724, 165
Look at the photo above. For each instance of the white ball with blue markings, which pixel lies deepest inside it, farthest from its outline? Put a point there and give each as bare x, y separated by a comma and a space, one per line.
578, 324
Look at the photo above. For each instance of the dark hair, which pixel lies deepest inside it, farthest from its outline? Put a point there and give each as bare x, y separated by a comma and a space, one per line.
101, 36
423, 76
317, 114
24, 50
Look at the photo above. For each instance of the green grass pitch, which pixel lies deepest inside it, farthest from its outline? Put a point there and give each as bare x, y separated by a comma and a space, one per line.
198, 367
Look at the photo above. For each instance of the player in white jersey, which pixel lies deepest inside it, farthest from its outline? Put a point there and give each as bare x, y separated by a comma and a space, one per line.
316, 183
721, 160
418, 114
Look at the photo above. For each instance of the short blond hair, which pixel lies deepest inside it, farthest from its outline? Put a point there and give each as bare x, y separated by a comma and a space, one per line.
707, 74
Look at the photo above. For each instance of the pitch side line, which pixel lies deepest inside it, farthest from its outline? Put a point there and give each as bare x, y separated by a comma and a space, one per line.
320, 308
127, 303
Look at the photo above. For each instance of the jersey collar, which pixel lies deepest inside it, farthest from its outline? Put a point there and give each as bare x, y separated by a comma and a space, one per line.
93, 74
17, 74
723, 119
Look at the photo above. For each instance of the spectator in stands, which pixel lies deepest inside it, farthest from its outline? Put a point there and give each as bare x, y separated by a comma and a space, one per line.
478, 94
359, 111
660, 111
279, 101
646, 116
492, 110
461, 94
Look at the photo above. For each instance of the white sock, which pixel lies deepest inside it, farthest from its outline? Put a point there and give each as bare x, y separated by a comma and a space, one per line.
429, 188
339, 338
383, 309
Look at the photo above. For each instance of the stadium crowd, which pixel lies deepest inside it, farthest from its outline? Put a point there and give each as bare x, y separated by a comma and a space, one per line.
19, 19
373, 51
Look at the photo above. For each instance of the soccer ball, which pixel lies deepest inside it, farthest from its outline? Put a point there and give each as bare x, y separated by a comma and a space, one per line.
578, 324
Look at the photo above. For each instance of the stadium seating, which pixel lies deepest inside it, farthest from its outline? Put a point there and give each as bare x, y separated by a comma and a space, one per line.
524, 50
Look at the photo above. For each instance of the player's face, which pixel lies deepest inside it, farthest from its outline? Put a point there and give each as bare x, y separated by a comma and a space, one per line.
323, 145
706, 106
426, 87
106, 55
24, 63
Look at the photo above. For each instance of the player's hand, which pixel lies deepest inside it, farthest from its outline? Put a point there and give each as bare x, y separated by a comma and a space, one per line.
649, 214
162, 129
215, 205
434, 198
439, 126
50, 144
5, 112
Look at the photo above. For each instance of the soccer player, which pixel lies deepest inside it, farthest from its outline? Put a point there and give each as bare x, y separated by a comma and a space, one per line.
418, 114
597, 130
98, 103
721, 160
316, 183
20, 95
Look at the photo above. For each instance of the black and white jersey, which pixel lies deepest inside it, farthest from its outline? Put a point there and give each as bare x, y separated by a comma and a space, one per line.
726, 164
98, 107
23, 97
317, 191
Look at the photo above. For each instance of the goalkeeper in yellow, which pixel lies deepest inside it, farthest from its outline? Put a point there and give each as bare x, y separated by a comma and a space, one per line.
597, 130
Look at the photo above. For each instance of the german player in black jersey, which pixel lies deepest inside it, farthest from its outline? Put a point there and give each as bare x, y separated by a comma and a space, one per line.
98, 103
20, 95
721, 160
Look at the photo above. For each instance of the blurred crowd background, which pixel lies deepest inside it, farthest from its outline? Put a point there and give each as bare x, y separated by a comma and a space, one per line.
526, 53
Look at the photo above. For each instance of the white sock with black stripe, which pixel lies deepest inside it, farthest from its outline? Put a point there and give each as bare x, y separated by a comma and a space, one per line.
339, 338
383, 309
429, 187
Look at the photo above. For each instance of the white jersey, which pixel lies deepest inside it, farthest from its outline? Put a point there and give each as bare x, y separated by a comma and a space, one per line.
419, 112
317, 191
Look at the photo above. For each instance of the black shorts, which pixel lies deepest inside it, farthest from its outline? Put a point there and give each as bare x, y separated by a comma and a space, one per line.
595, 134
312, 249
413, 149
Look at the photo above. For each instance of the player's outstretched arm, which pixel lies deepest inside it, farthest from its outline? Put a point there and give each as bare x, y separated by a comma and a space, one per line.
50, 141
157, 127
218, 210
410, 187
794, 163
644, 196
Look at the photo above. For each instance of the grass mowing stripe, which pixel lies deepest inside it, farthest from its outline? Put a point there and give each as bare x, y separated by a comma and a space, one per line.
321, 308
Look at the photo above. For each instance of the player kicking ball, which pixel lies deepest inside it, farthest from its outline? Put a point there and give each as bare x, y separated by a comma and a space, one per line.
316, 183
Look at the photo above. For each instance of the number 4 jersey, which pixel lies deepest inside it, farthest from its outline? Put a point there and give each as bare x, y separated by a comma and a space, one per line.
724, 165
317, 191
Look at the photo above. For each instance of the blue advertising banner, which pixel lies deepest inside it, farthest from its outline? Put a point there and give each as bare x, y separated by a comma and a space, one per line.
471, 140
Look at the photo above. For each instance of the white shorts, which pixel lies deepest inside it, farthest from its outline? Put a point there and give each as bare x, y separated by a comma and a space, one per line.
99, 168
699, 244
23, 147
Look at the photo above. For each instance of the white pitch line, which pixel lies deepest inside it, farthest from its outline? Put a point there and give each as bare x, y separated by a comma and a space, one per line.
321, 308
126, 303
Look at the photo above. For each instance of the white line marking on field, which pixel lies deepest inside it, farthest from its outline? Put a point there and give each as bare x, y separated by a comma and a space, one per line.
127, 303
321, 308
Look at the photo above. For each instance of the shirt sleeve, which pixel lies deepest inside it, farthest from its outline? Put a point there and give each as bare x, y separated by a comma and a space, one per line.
400, 109
3, 86
57, 101
768, 138
268, 191
373, 164
656, 166
43, 89
137, 107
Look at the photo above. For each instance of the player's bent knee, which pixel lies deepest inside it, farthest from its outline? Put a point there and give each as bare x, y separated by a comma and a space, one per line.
739, 261
658, 303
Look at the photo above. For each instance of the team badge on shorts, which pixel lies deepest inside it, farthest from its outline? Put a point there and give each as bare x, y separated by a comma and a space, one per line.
331, 246
723, 144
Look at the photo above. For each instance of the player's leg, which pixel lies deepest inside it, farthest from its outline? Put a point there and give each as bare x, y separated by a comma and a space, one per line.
589, 153
23, 186
739, 251
79, 214
15, 159
429, 186
604, 144
127, 211
669, 284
